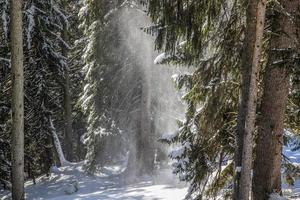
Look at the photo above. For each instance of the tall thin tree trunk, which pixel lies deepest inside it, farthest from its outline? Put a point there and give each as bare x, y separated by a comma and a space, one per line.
145, 139
57, 146
17, 100
67, 98
68, 117
248, 97
267, 169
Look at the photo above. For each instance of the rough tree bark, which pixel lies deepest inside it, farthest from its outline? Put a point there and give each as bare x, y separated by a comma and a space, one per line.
247, 110
17, 144
68, 143
267, 165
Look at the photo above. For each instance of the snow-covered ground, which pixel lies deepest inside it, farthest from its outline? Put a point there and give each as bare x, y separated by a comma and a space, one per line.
163, 186
112, 185
289, 151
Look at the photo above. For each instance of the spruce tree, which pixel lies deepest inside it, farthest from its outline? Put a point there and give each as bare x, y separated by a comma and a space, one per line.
43, 67
206, 34
17, 73
5, 96
282, 54
115, 115
101, 63
68, 132
250, 68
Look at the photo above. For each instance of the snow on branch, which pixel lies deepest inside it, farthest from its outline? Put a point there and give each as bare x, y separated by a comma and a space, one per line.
5, 19
30, 16
5, 59
160, 59
57, 144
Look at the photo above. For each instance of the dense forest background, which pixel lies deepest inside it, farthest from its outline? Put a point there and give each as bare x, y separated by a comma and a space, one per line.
209, 88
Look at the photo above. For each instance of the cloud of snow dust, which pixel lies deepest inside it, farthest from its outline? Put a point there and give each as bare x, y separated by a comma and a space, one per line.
161, 89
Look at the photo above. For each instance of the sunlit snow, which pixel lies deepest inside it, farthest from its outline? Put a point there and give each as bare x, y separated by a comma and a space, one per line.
162, 186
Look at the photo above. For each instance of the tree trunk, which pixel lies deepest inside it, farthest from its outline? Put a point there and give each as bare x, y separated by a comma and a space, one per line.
267, 169
248, 97
145, 140
68, 117
58, 150
17, 145
67, 98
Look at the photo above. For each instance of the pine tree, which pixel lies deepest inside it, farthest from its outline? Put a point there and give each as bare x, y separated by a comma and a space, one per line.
251, 55
281, 59
198, 34
102, 61
75, 63
117, 105
44, 79
17, 144
43, 66
68, 135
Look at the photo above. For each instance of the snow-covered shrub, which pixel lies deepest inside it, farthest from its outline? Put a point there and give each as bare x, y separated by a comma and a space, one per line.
71, 187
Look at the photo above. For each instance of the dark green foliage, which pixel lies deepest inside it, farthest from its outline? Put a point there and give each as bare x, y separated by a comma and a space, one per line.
196, 22
293, 108
222, 180
106, 64
44, 66
212, 32
5, 101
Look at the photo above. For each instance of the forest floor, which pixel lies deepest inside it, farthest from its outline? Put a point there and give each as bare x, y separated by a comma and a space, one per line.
292, 153
107, 186
112, 185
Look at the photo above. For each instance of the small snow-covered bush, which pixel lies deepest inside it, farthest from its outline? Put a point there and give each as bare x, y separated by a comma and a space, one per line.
71, 187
